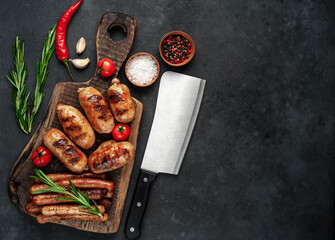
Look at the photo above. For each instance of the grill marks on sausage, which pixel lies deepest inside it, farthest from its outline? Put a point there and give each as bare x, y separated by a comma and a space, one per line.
66, 119
80, 136
97, 108
74, 160
116, 97
119, 112
108, 161
102, 192
73, 128
105, 113
60, 143
68, 149
94, 98
125, 152
101, 108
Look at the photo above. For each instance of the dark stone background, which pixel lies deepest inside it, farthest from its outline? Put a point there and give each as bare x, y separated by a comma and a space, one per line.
260, 164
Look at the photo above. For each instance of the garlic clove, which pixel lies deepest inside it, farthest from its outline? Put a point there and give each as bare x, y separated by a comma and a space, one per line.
81, 45
80, 63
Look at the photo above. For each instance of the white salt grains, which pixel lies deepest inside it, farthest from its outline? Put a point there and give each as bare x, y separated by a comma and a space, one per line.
142, 69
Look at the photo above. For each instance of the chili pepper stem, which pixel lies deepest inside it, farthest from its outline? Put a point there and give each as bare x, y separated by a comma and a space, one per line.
65, 61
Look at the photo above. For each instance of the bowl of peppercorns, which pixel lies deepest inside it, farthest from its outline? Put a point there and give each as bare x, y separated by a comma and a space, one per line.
176, 48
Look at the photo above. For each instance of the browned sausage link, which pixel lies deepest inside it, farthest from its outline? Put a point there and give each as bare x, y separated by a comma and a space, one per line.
90, 217
52, 210
61, 176
65, 150
111, 155
109, 194
96, 109
75, 125
51, 198
105, 202
121, 102
81, 183
32, 208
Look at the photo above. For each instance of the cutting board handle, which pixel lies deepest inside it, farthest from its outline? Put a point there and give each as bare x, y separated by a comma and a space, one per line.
117, 51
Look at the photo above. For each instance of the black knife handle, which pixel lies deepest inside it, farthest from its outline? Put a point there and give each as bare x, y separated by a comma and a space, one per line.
138, 204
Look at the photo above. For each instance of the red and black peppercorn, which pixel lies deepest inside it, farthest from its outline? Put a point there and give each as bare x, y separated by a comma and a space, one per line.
176, 48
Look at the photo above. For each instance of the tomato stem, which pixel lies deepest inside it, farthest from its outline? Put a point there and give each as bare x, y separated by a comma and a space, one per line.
40, 154
100, 68
120, 128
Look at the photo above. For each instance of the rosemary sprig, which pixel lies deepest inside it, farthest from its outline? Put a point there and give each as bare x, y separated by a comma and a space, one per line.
74, 195
18, 77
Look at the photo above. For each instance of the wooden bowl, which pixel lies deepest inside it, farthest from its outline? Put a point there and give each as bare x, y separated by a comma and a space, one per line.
190, 56
142, 54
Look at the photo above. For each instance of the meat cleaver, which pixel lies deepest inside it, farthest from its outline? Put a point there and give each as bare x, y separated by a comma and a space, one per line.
178, 103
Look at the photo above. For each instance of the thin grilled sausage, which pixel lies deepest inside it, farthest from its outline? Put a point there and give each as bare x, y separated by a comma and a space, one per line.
106, 202
76, 126
65, 150
90, 217
81, 183
61, 176
52, 198
111, 155
33, 208
96, 109
121, 102
109, 194
52, 210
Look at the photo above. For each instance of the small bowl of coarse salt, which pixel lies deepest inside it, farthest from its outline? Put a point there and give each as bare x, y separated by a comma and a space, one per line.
142, 69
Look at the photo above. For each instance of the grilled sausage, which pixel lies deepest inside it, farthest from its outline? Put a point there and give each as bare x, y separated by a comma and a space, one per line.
65, 150
111, 155
52, 198
61, 176
106, 202
52, 210
96, 109
76, 126
81, 183
121, 102
32, 208
90, 217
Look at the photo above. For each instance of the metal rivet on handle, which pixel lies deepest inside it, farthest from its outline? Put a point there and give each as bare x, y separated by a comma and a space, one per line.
132, 229
145, 179
139, 204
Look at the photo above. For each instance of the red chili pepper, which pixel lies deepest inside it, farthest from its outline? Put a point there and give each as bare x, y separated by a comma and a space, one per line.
60, 42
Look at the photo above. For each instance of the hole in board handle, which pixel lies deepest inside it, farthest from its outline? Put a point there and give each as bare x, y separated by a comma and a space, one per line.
117, 32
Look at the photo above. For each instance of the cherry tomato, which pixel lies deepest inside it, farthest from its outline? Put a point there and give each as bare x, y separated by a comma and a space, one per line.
106, 67
41, 157
121, 132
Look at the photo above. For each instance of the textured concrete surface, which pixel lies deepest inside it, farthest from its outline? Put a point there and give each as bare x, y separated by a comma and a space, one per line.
260, 164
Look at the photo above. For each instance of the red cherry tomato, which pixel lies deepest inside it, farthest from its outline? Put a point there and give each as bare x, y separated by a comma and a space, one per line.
106, 67
41, 157
121, 132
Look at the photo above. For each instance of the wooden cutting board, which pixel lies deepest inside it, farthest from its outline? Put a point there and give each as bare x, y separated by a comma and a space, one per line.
66, 93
